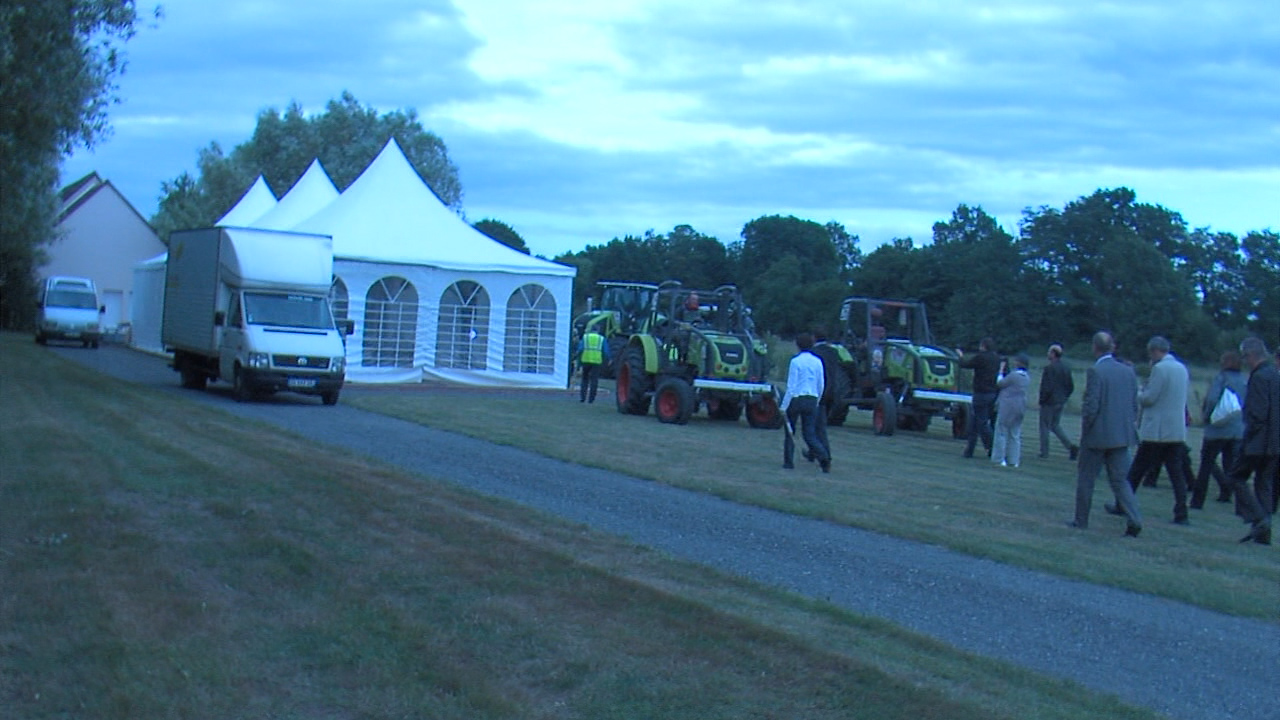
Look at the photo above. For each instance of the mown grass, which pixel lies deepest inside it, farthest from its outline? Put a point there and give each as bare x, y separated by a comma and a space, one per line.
913, 485
161, 559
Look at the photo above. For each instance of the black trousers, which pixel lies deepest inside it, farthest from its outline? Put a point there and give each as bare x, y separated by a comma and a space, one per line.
1210, 449
1255, 508
980, 423
590, 377
1151, 455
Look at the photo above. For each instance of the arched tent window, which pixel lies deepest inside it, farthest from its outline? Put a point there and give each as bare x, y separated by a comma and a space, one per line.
339, 302
531, 331
390, 323
462, 339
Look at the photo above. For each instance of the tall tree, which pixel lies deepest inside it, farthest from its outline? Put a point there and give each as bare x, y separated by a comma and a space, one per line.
59, 62
773, 249
1261, 274
503, 233
345, 138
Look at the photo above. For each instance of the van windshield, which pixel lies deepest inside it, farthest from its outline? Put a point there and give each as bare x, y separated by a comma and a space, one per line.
77, 299
299, 311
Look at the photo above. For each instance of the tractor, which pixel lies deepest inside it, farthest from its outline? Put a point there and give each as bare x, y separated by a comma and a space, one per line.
697, 348
620, 313
893, 368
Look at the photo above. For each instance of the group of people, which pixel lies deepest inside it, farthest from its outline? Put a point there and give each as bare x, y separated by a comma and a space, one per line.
1116, 413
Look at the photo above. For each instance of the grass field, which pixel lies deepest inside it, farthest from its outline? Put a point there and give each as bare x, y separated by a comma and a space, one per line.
161, 559
912, 485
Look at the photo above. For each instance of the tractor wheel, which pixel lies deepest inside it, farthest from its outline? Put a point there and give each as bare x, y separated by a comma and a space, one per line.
960, 423
617, 346
673, 401
839, 411
764, 413
723, 408
632, 383
885, 416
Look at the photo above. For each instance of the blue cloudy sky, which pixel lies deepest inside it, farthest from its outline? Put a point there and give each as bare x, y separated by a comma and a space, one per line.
577, 122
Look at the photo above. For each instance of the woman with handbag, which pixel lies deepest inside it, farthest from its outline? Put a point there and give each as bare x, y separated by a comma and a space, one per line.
1224, 436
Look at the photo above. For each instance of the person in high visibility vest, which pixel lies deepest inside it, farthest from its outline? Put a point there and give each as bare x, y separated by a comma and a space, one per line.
593, 352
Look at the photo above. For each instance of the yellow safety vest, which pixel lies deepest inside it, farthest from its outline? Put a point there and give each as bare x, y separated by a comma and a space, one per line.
592, 349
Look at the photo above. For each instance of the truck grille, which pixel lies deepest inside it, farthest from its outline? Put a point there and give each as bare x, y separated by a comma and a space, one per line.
301, 361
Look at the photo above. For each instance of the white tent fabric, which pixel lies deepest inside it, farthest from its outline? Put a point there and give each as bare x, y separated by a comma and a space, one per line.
257, 200
148, 304
432, 297
313, 191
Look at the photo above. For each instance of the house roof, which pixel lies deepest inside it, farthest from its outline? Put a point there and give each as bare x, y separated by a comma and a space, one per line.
73, 196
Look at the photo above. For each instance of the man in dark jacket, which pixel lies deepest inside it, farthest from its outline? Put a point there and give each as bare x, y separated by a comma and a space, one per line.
1260, 450
830, 369
985, 366
1055, 387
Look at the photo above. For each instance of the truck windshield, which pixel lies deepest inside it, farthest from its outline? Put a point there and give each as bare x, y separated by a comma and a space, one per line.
78, 299
299, 311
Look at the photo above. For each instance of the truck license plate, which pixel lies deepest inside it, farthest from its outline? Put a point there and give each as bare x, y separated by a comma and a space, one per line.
302, 383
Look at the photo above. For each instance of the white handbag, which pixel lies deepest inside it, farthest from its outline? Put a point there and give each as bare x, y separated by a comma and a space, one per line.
1226, 410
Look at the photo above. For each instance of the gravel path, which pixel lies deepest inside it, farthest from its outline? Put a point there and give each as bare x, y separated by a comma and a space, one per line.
1177, 659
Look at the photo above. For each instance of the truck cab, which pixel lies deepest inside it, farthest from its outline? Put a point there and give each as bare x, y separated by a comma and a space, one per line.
67, 308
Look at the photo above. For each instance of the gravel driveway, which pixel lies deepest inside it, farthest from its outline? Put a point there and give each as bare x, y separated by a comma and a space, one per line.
1177, 659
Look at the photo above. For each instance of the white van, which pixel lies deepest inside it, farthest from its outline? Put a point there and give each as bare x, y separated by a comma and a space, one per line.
67, 308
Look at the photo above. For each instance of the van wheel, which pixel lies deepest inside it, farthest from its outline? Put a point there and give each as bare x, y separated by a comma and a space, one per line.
94, 344
329, 398
41, 340
240, 388
192, 379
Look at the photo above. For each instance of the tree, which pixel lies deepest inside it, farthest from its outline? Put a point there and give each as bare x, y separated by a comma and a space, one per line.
345, 138
59, 61
503, 233
773, 249
1261, 274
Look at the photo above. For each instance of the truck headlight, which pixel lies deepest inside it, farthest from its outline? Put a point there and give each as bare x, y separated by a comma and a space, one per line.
259, 360
337, 365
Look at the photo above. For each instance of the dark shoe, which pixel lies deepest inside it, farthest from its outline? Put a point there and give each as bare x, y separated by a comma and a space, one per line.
1112, 509
1181, 521
808, 455
826, 466
966, 455
788, 466
1075, 453
1042, 455
1148, 483
1196, 506
1076, 526
1260, 535
1224, 497
1132, 531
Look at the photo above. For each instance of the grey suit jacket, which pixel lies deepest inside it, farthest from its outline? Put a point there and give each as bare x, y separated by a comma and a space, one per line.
1109, 409
1164, 403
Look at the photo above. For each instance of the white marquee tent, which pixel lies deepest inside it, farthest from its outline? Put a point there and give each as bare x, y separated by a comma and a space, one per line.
255, 202
432, 296
313, 191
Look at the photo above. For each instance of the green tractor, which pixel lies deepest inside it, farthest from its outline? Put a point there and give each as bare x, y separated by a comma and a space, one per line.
894, 369
621, 311
697, 348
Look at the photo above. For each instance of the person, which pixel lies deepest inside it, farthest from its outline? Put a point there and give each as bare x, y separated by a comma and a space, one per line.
805, 383
1162, 429
691, 311
985, 365
1260, 448
1056, 386
1011, 406
593, 352
1108, 413
830, 358
1221, 439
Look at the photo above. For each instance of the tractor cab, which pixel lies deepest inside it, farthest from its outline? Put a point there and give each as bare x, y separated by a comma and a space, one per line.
622, 310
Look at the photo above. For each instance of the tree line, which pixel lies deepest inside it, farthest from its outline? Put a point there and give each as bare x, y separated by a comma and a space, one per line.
1105, 261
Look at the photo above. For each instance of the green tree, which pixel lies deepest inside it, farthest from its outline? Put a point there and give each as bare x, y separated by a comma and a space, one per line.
59, 63
345, 138
1260, 299
503, 233
772, 249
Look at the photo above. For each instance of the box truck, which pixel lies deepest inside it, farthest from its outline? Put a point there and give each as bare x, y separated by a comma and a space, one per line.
67, 308
251, 307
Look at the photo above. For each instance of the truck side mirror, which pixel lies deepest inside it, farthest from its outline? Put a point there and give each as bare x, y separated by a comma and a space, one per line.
102, 310
348, 326
219, 318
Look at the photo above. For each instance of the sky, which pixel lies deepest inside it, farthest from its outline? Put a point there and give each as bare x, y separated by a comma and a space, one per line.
577, 122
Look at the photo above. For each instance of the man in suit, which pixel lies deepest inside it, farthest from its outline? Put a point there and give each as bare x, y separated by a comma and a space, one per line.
1162, 431
1108, 413
985, 366
1260, 449
1055, 387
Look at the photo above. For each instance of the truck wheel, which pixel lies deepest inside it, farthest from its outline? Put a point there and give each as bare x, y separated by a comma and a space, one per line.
240, 388
632, 384
673, 402
885, 416
192, 379
329, 398
960, 423
764, 413
41, 339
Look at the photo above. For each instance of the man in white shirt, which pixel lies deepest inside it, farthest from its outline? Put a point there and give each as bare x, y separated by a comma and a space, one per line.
805, 384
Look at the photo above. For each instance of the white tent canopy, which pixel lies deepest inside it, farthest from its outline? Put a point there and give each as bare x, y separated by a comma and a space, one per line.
256, 201
148, 303
433, 297
313, 191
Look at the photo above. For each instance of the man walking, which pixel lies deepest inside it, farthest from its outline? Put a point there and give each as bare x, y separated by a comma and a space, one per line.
1162, 431
593, 352
830, 358
1108, 412
805, 384
985, 366
1260, 451
1056, 386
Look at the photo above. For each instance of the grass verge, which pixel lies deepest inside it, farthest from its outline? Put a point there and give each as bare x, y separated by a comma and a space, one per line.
160, 559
